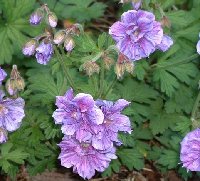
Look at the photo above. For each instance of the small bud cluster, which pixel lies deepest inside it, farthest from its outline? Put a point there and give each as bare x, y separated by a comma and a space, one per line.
41, 13
123, 65
15, 83
11, 109
42, 45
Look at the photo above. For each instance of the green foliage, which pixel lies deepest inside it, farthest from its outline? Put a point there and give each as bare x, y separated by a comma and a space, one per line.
79, 10
162, 90
14, 27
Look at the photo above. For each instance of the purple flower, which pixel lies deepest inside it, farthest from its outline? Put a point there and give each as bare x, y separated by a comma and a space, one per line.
114, 122
165, 44
3, 135
78, 115
83, 157
137, 34
190, 151
52, 19
29, 47
198, 46
3, 75
136, 4
36, 17
44, 53
11, 112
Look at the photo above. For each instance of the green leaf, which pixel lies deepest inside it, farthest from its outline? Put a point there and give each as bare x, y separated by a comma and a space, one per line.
169, 159
114, 166
10, 155
131, 158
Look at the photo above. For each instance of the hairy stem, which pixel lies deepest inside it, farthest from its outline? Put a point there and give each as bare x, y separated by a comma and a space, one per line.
64, 68
101, 82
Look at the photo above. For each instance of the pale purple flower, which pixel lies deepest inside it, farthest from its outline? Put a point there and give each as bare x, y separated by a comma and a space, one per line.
3, 135
69, 44
36, 17
136, 4
52, 19
114, 121
29, 47
44, 52
78, 115
190, 151
11, 112
165, 44
84, 158
198, 47
3, 75
137, 34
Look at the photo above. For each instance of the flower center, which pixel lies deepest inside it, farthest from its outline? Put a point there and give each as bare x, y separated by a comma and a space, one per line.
107, 122
85, 145
136, 33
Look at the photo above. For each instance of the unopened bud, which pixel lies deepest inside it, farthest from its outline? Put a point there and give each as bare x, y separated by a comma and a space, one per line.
29, 47
129, 66
136, 4
3, 135
52, 19
165, 22
108, 62
11, 87
91, 67
69, 44
36, 17
15, 83
59, 37
119, 70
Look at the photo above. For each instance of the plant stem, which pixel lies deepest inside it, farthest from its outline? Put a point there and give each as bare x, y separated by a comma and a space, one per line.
65, 69
195, 107
177, 63
101, 86
110, 87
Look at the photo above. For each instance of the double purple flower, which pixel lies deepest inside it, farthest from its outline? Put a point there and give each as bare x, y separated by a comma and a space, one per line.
43, 52
90, 129
190, 151
138, 34
11, 115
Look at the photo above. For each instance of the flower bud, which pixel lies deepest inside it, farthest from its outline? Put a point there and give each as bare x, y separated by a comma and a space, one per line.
165, 22
52, 19
91, 68
136, 4
129, 67
119, 70
3, 135
29, 47
108, 62
11, 87
15, 83
3, 75
59, 37
36, 17
69, 44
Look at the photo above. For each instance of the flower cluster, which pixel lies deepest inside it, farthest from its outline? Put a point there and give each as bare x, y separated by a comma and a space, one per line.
42, 45
90, 128
198, 46
41, 13
190, 151
11, 112
138, 35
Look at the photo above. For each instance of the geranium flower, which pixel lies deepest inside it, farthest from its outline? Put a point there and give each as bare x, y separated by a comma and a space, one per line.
83, 157
137, 34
